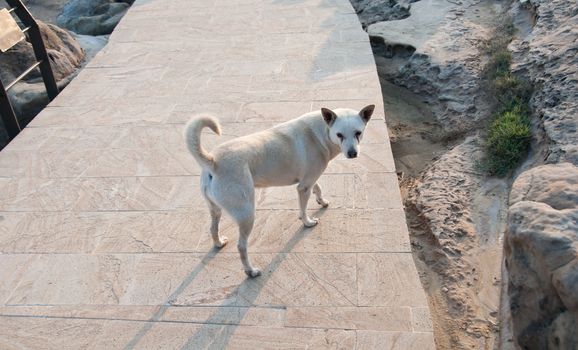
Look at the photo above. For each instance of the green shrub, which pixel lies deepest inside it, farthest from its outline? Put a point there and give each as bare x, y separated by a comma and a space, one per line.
508, 141
499, 64
511, 92
509, 134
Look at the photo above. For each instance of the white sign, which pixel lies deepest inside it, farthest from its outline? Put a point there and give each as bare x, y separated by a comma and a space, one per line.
10, 33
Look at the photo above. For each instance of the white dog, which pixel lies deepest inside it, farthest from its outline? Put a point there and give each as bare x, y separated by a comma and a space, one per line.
295, 152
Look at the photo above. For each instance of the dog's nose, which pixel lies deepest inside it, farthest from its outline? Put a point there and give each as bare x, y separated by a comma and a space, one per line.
351, 153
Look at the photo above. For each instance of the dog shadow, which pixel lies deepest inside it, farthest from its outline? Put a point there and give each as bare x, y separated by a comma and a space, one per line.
213, 334
157, 316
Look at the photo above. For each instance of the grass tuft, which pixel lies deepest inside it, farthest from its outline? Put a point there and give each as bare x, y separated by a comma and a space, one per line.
512, 93
499, 64
508, 140
509, 135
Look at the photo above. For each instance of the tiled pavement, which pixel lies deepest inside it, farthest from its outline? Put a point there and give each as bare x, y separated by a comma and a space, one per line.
104, 239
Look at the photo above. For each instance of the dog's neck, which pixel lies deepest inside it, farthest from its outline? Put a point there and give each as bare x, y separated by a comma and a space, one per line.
332, 148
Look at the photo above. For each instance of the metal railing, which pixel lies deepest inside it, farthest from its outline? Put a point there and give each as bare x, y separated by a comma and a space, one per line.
31, 29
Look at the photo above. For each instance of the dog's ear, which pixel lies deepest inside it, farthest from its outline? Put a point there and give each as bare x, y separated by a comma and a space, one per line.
366, 113
329, 116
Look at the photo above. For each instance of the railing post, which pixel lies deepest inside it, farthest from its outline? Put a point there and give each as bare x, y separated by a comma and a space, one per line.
38, 46
7, 113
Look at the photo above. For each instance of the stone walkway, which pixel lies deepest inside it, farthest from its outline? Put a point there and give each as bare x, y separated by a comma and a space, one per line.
104, 237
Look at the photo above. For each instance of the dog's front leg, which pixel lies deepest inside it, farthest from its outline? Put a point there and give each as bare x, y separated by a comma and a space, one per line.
319, 196
304, 194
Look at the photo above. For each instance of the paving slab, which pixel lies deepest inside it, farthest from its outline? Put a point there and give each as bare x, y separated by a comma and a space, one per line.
104, 236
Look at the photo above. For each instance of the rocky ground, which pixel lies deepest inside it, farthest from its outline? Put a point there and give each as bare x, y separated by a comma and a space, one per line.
460, 218
456, 214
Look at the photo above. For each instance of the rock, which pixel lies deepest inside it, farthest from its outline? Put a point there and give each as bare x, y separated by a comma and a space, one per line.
46, 10
446, 65
566, 283
560, 337
28, 99
458, 231
91, 44
542, 257
548, 184
372, 11
64, 52
420, 26
549, 56
92, 17
454, 178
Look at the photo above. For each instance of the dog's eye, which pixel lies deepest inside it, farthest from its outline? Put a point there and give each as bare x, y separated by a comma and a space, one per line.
357, 134
340, 135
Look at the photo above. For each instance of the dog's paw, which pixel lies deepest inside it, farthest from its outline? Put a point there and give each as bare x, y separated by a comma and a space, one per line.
310, 222
322, 203
223, 242
253, 273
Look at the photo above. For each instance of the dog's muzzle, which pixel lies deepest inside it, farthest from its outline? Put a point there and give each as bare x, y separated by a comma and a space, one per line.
352, 153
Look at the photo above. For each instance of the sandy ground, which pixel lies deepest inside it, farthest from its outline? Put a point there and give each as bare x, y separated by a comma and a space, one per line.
416, 138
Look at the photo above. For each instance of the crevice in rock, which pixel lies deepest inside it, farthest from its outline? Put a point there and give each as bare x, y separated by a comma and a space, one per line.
386, 50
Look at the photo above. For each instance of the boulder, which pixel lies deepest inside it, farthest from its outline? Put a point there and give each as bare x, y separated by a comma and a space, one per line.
64, 52
92, 17
542, 257
91, 44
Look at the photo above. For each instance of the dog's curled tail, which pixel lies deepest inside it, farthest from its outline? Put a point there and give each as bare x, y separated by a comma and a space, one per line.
193, 138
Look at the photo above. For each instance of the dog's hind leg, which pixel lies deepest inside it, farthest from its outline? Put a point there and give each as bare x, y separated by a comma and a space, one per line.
236, 195
319, 196
304, 194
206, 179
245, 228
219, 242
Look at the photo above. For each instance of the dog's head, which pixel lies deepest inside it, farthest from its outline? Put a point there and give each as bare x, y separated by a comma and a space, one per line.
346, 127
